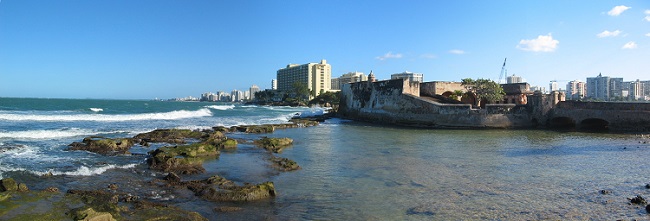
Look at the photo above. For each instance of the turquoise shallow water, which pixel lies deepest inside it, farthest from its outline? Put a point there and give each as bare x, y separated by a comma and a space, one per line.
350, 171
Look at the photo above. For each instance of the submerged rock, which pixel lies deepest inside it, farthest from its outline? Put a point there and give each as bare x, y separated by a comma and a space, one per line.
638, 200
284, 164
247, 192
225, 209
102, 145
275, 145
89, 214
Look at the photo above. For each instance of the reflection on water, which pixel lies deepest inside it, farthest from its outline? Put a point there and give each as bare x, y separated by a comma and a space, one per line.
352, 171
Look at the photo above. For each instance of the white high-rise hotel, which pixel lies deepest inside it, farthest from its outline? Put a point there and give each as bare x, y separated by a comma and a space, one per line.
317, 77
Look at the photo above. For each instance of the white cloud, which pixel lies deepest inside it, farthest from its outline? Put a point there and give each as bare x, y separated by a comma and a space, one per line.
647, 15
616, 11
456, 51
543, 43
629, 45
429, 56
647, 34
608, 34
388, 56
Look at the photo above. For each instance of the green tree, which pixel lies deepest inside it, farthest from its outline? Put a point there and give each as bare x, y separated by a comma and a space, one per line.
300, 91
486, 90
456, 95
329, 97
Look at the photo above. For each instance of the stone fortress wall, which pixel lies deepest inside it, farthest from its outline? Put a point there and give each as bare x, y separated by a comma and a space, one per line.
402, 102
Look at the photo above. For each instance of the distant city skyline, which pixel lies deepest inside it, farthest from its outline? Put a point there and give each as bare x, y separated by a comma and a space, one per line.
147, 49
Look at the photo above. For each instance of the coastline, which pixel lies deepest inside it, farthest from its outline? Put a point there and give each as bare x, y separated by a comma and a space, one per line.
118, 199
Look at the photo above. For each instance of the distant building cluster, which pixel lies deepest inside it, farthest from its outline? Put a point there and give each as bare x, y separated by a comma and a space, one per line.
612, 89
317, 77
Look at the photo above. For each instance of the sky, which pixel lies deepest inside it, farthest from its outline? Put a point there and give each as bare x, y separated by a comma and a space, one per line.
122, 49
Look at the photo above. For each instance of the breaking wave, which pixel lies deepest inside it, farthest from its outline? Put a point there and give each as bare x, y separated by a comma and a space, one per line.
220, 107
81, 171
94, 109
173, 115
47, 134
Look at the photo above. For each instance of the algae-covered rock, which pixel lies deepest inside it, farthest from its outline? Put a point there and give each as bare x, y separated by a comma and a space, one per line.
22, 187
304, 122
186, 159
51, 190
247, 192
89, 214
284, 164
228, 144
4, 196
102, 145
8, 184
176, 136
275, 145
256, 129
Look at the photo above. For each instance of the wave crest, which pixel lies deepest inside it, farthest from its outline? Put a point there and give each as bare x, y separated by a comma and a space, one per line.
173, 115
220, 107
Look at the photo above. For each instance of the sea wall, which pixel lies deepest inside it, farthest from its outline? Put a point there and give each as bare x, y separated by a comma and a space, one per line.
398, 102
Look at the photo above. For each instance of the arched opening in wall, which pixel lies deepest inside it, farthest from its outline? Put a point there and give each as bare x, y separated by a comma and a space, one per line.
468, 98
534, 122
447, 93
594, 124
562, 123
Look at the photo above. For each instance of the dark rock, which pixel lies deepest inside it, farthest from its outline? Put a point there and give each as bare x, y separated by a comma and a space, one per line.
638, 200
420, 210
647, 186
176, 136
8, 184
605, 192
172, 177
225, 209
647, 208
256, 129
102, 145
275, 145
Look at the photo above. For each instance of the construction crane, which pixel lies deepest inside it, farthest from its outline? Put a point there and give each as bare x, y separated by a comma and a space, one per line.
503, 71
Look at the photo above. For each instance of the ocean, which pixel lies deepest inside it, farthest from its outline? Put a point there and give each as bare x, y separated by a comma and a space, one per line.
349, 170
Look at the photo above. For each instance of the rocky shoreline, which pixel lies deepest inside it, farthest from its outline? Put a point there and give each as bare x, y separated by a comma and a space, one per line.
181, 154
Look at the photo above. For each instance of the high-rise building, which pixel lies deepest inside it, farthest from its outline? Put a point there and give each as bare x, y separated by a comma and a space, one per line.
637, 90
598, 87
236, 95
576, 90
617, 88
274, 84
413, 77
252, 91
317, 77
553, 86
514, 79
350, 77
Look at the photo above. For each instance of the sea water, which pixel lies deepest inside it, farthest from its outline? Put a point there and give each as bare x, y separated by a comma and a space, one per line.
349, 170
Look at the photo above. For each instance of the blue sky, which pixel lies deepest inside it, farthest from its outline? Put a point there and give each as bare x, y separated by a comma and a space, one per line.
145, 49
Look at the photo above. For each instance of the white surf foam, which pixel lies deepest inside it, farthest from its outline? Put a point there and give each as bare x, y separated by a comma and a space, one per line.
46, 134
220, 107
173, 115
81, 171
94, 109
